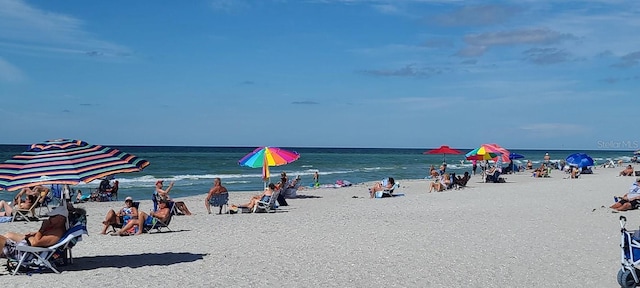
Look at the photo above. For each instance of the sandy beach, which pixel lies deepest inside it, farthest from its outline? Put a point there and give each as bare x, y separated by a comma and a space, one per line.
528, 232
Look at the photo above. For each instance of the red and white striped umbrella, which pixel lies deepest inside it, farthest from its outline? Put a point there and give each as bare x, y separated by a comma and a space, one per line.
65, 161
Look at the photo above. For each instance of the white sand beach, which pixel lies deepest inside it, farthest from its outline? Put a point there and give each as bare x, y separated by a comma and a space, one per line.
529, 232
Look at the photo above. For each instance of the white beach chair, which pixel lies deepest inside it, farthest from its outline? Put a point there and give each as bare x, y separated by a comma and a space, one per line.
40, 257
387, 192
267, 206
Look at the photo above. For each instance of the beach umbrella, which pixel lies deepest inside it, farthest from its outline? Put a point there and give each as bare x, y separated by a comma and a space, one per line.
65, 161
503, 155
444, 150
514, 156
268, 156
484, 152
580, 160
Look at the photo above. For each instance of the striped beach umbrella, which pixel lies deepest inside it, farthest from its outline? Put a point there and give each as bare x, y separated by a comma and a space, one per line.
268, 156
65, 161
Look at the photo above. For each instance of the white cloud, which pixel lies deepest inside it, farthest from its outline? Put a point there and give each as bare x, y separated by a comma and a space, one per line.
10, 73
23, 26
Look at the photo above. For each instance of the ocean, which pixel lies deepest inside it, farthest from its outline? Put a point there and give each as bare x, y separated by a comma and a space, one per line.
193, 168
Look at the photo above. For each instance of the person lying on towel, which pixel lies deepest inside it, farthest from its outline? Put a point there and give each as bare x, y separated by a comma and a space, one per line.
49, 234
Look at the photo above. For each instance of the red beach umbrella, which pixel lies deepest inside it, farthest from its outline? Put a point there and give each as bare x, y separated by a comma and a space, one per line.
444, 150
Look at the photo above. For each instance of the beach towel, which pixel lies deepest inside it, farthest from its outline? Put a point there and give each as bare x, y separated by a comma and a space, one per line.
5, 219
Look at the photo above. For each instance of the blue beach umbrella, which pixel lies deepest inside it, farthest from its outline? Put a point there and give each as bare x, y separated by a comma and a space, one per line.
513, 156
580, 160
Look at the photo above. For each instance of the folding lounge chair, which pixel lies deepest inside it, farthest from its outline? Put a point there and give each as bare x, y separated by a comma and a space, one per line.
115, 226
23, 213
267, 206
220, 200
387, 192
42, 257
159, 225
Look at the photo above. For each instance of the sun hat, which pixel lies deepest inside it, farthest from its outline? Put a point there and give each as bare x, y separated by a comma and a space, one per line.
159, 181
129, 198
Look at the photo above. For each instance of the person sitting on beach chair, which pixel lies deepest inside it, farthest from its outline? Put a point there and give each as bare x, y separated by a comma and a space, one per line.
492, 175
264, 197
440, 184
629, 201
122, 217
160, 194
49, 234
627, 171
147, 220
461, 181
379, 186
216, 196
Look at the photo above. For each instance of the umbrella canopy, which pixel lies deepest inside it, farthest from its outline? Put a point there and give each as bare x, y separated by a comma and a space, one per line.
268, 156
513, 156
580, 160
503, 155
65, 161
484, 152
444, 150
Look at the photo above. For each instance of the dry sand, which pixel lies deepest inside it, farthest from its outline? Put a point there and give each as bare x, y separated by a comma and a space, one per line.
529, 232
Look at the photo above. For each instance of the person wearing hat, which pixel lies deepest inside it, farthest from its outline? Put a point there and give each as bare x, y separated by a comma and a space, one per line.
147, 220
128, 212
631, 200
161, 194
49, 234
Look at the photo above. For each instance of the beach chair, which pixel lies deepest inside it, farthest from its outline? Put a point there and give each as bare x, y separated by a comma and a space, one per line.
116, 226
387, 192
37, 258
267, 206
220, 200
159, 225
291, 192
23, 214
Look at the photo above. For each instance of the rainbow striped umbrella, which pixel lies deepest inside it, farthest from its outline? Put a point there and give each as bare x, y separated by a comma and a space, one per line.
268, 156
65, 161
484, 152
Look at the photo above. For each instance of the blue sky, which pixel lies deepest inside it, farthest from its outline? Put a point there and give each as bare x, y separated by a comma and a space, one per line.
322, 73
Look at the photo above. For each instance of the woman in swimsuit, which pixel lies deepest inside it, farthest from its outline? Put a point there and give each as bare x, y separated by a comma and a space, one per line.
265, 197
123, 216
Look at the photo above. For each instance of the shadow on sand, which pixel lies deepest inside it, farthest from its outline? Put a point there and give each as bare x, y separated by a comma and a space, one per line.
132, 261
306, 197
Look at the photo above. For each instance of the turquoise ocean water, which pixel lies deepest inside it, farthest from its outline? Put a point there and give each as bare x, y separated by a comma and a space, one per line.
193, 168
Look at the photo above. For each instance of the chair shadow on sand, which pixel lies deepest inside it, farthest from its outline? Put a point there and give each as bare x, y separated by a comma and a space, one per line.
299, 196
132, 260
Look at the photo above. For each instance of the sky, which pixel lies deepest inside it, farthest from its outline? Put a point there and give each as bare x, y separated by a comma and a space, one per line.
322, 73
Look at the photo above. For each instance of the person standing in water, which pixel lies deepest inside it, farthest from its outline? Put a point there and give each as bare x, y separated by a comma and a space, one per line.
316, 179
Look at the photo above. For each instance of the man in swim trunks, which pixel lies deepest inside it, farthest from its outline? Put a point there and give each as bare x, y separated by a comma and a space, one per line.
49, 234
149, 220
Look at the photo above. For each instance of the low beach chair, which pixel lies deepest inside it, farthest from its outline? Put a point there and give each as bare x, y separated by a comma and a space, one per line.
267, 206
23, 214
159, 225
387, 192
116, 226
220, 200
42, 257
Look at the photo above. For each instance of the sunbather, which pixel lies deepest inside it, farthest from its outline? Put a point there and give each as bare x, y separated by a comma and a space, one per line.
379, 186
215, 190
161, 194
461, 181
627, 171
441, 183
121, 217
631, 200
264, 196
49, 234
147, 220
30, 195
